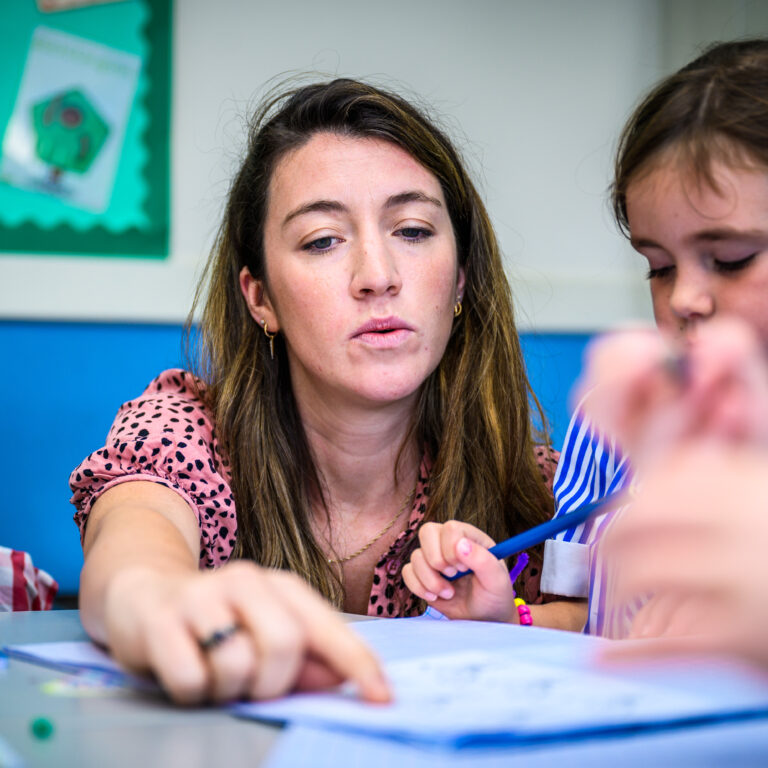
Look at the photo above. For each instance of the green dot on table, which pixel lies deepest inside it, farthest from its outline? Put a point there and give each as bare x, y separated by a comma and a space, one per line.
41, 728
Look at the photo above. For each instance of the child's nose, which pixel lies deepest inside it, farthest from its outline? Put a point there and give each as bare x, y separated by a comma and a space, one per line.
692, 296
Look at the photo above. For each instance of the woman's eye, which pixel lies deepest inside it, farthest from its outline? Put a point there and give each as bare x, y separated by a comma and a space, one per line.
734, 266
321, 244
414, 234
654, 273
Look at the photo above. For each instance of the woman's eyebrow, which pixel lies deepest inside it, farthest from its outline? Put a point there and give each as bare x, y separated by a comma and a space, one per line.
411, 197
334, 206
323, 206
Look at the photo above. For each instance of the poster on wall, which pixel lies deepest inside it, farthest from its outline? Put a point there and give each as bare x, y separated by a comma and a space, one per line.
65, 135
84, 150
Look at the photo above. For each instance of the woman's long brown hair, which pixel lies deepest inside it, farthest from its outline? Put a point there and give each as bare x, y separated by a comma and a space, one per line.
473, 415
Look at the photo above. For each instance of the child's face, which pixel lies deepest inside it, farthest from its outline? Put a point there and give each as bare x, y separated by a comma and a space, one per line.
707, 250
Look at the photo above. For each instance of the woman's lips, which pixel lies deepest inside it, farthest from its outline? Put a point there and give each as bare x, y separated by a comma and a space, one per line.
383, 332
384, 340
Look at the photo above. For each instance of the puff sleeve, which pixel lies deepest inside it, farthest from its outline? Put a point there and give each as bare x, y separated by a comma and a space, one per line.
166, 436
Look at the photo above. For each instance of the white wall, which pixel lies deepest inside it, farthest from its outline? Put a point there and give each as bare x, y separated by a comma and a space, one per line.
535, 93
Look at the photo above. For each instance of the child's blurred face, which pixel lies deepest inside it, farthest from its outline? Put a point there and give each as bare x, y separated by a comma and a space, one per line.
707, 249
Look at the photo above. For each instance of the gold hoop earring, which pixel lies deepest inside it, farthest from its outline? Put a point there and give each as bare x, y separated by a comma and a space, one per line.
271, 337
457, 308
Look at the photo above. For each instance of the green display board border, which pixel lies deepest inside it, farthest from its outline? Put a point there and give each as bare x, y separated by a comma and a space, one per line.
151, 242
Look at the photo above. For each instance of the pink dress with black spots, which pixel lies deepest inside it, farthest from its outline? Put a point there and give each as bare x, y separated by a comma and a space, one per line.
167, 436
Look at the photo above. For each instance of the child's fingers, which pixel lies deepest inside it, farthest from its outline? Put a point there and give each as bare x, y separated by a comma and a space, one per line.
728, 382
653, 618
431, 548
423, 580
412, 582
628, 651
490, 573
452, 533
653, 565
628, 386
438, 542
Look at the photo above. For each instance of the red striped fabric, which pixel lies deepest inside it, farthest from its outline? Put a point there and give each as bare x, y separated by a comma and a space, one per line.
22, 586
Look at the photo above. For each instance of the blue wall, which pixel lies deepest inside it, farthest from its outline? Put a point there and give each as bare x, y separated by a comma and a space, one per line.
63, 383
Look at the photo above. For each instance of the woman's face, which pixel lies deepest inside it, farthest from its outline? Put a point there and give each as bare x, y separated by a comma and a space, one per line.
707, 250
362, 270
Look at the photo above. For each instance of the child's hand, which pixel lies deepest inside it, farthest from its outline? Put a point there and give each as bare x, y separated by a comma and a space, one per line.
695, 539
448, 548
637, 394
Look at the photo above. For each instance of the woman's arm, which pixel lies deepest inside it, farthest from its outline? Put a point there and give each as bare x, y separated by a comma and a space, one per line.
133, 528
143, 596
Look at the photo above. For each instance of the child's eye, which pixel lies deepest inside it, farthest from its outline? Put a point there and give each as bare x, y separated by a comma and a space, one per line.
734, 266
321, 244
659, 272
414, 234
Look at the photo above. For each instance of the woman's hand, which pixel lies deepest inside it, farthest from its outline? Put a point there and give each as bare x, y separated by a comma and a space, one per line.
143, 596
287, 637
448, 548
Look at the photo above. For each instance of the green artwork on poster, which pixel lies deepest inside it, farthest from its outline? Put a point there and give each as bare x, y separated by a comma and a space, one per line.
85, 120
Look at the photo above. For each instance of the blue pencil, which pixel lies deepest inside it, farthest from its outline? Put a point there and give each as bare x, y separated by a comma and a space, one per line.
547, 530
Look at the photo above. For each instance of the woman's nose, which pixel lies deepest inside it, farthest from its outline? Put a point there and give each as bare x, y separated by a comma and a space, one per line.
374, 268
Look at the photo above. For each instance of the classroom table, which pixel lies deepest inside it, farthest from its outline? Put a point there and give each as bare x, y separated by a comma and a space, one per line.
121, 727
113, 726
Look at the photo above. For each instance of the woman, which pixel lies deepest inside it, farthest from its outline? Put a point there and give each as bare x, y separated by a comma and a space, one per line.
360, 374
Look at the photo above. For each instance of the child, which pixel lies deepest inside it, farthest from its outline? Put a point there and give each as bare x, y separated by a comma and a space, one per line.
691, 191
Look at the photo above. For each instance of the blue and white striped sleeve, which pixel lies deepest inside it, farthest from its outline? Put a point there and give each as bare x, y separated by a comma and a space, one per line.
590, 466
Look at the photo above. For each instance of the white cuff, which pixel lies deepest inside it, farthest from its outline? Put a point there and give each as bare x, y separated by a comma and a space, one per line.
565, 570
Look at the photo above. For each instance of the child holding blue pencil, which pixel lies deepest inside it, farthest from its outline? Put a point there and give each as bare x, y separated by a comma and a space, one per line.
691, 192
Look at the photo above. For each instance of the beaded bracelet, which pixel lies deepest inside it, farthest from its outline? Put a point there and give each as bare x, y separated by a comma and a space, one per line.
524, 612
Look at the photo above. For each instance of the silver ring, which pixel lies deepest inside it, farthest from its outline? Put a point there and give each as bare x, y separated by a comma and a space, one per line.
217, 637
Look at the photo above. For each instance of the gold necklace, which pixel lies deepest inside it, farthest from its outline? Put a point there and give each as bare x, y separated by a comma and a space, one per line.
339, 560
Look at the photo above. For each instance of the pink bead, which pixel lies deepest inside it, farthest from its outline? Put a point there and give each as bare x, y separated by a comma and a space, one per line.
524, 612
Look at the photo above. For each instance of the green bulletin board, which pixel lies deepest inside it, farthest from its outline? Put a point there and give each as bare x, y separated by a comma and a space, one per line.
102, 190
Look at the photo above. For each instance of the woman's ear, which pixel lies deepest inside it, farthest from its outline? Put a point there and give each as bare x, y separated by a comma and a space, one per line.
460, 281
258, 302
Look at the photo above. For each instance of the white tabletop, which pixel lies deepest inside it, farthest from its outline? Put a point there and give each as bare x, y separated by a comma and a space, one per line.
119, 727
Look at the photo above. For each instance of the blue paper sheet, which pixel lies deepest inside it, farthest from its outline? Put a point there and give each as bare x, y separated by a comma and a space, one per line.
460, 684
742, 744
